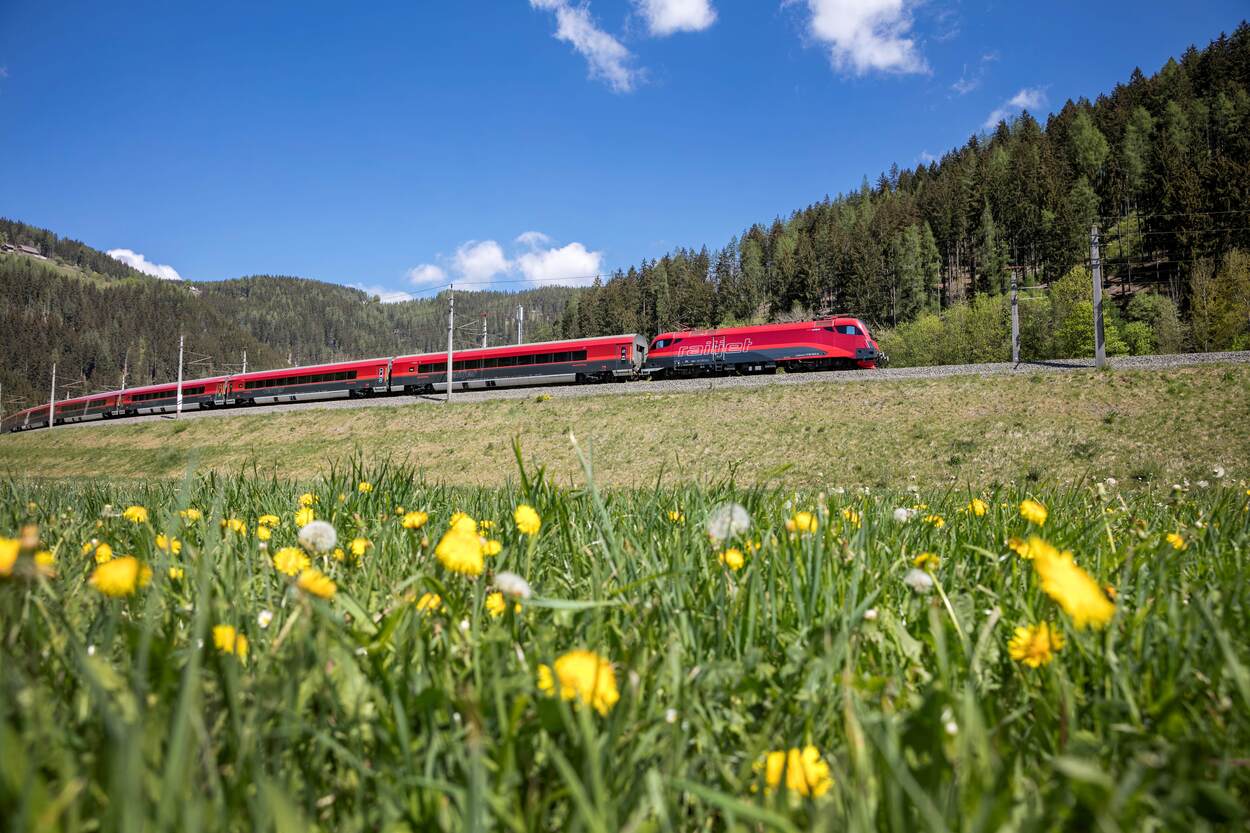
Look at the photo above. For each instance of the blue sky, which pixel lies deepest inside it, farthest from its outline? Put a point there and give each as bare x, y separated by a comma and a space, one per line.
398, 146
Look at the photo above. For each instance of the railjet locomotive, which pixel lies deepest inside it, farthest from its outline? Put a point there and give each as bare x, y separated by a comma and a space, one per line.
827, 343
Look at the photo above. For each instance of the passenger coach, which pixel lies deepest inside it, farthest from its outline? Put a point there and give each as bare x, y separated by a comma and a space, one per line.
521, 365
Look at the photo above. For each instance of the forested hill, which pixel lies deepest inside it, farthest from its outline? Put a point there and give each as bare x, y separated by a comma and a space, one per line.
98, 319
1162, 163
310, 321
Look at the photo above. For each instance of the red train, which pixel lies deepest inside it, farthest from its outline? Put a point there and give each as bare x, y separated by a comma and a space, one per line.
810, 345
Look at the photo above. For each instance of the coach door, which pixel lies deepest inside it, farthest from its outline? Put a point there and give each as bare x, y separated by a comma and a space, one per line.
219, 395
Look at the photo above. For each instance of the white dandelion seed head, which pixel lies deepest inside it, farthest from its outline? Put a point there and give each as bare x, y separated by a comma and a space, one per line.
670, 716
464, 626
726, 521
952, 728
264, 618
1202, 484
91, 650
1218, 471
918, 580
902, 514
510, 584
870, 615
318, 537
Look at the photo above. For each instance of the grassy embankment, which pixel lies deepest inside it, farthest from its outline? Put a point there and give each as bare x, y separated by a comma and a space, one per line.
1146, 426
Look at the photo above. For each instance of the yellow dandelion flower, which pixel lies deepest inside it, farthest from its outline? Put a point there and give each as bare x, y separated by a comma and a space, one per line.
304, 517
176, 573
1033, 512
732, 558
359, 546
851, 516
936, 521
802, 771
9, 549
674, 516
165, 543
1019, 547
290, 560
230, 641
338, 554
485, 526
235, 525
1035, 645
1073, 588
462, 522
121, 576
584, 676
191, 515
802, 522
496, 606
978, 507
268, 520
308, 499
103, 554
263, 533
527, 520
45, 563
316, 583
136, 514
429, 603
460, 551
927, 561
1177, 541
364, 487
491, 547
414, 520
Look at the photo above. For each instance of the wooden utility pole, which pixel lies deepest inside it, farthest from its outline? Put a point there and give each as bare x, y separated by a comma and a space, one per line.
520, 324
1100, 345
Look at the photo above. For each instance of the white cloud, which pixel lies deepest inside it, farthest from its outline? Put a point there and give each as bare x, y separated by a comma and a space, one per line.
867, 35
609, 60
138, 261
664, 17
1030, 98
532, 238
387, 296
568, 264
480, 260
927, 157
535, 258
426, 274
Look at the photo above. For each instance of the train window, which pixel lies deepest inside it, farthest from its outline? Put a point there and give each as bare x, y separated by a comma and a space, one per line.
661, 343
507, 361
847, 329
579, 355
542, 358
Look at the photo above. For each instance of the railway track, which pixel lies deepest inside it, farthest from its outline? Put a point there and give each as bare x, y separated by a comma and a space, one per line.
710, 383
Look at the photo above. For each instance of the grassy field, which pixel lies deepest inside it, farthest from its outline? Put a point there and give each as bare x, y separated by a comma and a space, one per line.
874, 637
1155, 427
